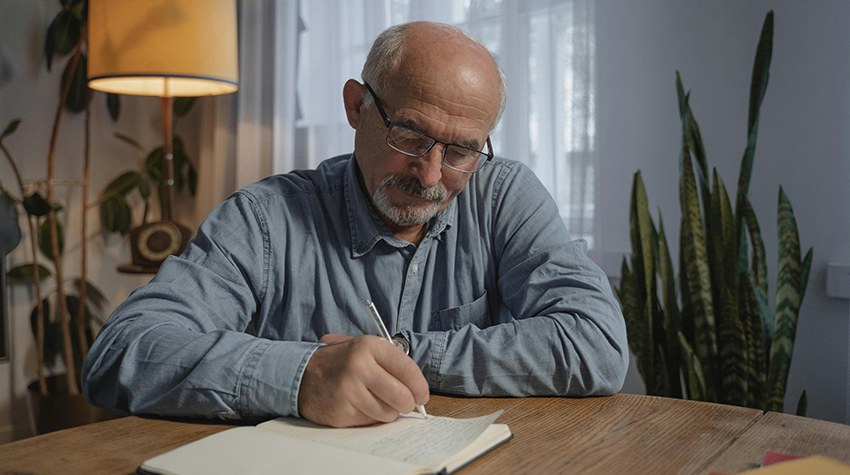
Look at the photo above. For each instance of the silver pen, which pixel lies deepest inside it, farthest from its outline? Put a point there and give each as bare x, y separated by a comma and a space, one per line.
382, 330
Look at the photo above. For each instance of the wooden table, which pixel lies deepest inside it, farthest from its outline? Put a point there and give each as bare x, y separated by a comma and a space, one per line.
620, 434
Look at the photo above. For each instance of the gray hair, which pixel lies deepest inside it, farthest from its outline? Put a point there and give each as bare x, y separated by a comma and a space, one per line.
385, 57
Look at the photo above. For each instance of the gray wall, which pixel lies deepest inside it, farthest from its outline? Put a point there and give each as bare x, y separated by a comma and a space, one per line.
803, 144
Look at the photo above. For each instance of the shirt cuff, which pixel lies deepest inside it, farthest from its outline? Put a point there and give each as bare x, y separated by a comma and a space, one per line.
427, 350
269, 383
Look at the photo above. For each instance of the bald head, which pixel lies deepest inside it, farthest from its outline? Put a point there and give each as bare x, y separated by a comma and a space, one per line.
416, 55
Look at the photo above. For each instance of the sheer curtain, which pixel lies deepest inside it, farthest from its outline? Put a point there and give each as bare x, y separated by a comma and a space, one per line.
296, 55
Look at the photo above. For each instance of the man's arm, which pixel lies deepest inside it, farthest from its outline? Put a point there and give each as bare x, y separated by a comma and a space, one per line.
567, 335
177, 346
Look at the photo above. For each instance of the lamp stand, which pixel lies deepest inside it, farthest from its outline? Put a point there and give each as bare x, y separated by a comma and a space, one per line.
152, 243
168, 134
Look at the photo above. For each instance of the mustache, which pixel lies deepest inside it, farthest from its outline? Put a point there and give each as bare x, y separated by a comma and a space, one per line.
410, 185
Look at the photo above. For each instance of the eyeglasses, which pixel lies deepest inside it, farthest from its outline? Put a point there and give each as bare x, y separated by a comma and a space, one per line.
416, 144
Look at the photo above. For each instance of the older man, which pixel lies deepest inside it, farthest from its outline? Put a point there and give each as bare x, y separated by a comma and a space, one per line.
464, 255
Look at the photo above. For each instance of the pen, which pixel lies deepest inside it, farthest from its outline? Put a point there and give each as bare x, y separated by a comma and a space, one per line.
382, 330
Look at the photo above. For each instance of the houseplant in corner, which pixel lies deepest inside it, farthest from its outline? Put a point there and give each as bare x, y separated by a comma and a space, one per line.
67, 331
729, 345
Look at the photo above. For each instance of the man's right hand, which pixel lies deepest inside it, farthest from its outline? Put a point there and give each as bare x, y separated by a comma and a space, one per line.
359, 381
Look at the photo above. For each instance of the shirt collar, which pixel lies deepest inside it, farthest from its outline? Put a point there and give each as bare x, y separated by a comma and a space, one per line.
366, 225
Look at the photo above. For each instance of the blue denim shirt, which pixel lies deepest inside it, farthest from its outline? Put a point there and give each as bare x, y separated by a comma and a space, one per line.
495, 301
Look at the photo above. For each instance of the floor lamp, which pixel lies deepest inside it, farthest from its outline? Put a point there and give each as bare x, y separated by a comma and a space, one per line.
164, 48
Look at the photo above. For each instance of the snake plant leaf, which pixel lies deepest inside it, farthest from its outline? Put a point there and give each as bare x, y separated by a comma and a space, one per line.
696, 270
756, 341
632, 311
642, 231
680, 95
725, 230
802, 405
787, 303
732, 343
694, 378
758, 269
804, 279
758, 87
662, 381
693, 138
672, 319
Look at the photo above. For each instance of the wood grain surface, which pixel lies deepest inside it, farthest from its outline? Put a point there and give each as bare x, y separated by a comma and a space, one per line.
786, 434
621, 434
113, 447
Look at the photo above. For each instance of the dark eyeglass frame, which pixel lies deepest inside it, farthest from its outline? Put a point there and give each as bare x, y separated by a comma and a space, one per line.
389, 124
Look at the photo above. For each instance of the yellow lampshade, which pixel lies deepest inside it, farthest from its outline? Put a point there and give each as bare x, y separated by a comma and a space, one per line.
163, 47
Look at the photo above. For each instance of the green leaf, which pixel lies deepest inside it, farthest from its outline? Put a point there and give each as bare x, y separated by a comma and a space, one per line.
44, 240
65, 29
130, 141
25, 274
732, 343
723, 233
697, 276
804, 279
113, 104
116, 215
672, 319
635, 329
144, 187
123, 185
10, 129
758, 87
36, 205
78, 93
694, 377
756, 340
758, 270
788, 296
802, 405
154, 164
182, 105
94, 296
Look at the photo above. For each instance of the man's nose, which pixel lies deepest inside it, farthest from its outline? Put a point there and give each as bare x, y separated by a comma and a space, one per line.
428, 168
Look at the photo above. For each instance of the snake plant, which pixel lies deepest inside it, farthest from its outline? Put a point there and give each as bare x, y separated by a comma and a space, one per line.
725, 340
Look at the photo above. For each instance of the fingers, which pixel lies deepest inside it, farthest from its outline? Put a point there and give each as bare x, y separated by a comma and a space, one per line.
403, 370
359, 381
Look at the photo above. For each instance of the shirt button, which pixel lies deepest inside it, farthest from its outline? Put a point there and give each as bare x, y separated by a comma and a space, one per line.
415, 268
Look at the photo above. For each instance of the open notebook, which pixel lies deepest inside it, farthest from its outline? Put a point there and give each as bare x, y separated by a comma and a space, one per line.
409, 445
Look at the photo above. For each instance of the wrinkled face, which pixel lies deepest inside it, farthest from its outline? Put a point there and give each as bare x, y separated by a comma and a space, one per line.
453, 102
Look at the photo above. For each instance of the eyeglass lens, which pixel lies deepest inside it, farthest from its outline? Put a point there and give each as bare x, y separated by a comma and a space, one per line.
413, 143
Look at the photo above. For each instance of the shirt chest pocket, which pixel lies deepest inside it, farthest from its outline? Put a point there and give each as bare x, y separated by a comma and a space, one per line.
476, 313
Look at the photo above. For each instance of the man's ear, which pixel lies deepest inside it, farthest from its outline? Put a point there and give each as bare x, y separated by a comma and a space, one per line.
352, 96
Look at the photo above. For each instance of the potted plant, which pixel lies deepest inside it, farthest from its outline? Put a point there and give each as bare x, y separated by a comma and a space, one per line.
67, 330
726, 341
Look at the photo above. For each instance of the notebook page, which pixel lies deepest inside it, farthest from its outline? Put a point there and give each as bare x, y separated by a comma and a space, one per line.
251, 451
410, 438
